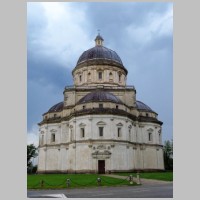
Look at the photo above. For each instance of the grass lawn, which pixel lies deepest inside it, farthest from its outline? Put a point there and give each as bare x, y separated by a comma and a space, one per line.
56, 181
165, 176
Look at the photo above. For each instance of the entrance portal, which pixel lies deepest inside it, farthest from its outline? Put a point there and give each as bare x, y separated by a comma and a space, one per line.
101, 166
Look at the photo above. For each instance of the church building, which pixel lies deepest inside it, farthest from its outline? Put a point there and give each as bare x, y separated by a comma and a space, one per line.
100, 126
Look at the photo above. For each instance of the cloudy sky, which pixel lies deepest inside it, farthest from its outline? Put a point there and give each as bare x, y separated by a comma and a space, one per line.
140, 33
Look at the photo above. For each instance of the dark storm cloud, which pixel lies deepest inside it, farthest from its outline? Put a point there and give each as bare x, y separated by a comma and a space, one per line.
46, 82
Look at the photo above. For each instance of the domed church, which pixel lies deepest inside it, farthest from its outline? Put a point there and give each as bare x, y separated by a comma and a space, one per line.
100, 127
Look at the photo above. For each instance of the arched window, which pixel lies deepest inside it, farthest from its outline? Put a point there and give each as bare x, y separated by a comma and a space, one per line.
89, 76
80, 78
120, 77
110, 76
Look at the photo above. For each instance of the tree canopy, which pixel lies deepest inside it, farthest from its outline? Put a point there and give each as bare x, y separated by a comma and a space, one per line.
31, 153
168, 154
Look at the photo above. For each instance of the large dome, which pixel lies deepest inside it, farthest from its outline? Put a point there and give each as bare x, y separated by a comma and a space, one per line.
100, 96
99, 55
99, 52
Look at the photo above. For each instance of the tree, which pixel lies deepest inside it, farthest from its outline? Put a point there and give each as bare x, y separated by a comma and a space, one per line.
31, 153
168, 154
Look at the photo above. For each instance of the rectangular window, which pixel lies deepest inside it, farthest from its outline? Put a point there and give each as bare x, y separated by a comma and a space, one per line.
100, 75
119, 78
53, 137
42, 140
119, 132
150, 136
83, 107
82, 132
100, 131
100, 105
72, 136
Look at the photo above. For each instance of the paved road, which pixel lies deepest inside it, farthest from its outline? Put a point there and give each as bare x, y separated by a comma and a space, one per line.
143, 191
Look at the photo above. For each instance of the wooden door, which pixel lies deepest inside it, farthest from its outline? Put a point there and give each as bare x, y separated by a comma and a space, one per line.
101, 166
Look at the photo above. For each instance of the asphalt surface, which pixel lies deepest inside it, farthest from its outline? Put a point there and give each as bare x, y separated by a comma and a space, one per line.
142, 191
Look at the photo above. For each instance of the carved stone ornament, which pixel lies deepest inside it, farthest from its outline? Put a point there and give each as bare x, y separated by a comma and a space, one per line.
90, 145
120, 124
150, 130
82, 125
134, 147
101, 154
101, 147
142, 147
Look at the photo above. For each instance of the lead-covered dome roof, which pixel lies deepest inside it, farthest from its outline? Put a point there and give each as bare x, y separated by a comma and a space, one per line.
99, 52
99, 55
141, 106
100, 96
57, 107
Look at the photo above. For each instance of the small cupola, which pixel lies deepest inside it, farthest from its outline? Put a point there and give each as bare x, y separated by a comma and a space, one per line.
99, 40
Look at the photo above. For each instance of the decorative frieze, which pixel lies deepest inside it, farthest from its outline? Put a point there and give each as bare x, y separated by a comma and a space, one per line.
100, 147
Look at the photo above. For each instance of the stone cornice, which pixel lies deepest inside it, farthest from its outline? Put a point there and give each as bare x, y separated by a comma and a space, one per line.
100, 62
90, 89
101, 111
94, 141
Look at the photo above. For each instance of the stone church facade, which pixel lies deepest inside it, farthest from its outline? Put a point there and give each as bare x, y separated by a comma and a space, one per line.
100, 127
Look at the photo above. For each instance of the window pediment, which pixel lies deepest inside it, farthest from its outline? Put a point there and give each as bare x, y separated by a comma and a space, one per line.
53, 130
150, 130
120, 124
82, 125
101, 123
